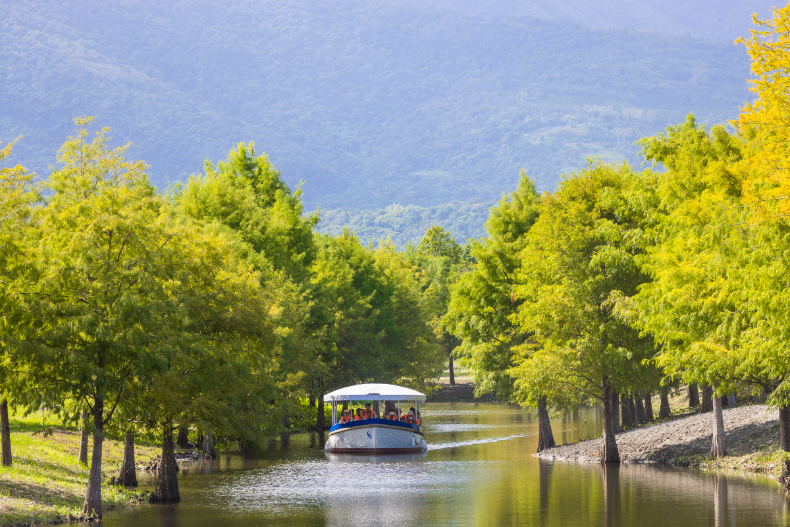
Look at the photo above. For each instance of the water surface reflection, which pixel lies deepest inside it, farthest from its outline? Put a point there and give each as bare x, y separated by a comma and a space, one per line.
479, 471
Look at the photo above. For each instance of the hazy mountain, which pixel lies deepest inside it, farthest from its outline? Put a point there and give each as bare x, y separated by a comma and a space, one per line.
368, 102
723, 20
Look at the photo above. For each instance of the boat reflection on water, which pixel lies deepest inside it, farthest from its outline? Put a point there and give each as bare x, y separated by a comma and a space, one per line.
379, 458
385, 489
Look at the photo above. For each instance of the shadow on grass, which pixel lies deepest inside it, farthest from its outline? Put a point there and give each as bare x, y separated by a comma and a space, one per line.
42, 494
56, 471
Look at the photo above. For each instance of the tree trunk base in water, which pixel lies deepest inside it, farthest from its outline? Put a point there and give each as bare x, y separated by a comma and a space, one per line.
183, 437
609, 452
167, 486
545, 435
128, 475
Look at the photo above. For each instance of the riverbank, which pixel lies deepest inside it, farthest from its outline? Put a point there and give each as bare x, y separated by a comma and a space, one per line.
46, 483
752, 442
460, 392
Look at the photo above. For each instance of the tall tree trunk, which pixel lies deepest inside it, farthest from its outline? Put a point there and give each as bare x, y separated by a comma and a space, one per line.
5, 434
718, 447
285, 437
319, 419
452, 372
609, 452
167, 487
640, 408
545, 436
693, 396
649, 406
632, 410
628, 419
183, 437
83, 456
287, 421
92, 503
784, 442
128, 475
707, 397
616, 411
664, 411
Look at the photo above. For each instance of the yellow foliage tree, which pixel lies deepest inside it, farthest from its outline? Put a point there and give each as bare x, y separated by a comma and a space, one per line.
766, 121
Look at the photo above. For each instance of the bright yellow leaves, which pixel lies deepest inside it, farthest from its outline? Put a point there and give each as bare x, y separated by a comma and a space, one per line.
766, 121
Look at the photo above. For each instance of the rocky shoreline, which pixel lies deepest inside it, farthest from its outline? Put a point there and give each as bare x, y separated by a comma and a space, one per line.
752, 440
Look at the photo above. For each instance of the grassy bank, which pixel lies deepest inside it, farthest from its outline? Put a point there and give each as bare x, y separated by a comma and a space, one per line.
46, 483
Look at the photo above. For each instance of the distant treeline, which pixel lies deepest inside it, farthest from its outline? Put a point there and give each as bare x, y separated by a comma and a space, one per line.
403, 224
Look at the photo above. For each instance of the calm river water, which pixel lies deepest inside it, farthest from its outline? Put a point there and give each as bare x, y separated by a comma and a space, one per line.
479, 471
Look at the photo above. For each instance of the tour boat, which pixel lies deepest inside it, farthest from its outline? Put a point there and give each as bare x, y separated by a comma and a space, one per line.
376, 435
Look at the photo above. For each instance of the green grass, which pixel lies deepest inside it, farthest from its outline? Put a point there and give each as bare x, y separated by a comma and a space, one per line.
46, 483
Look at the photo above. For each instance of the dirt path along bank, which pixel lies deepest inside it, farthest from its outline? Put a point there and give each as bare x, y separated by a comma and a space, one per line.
750, 430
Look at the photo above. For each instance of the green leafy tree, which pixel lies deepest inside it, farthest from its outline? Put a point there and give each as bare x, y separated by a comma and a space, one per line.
483, 299
245, 195
375, 315
218, 369
578, 263
98, 303
483, 302
694, 305
16, 196
441, 260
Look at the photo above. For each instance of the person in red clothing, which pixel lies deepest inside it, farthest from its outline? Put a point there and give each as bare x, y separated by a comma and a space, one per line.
391, 416
418, 422
344, 417
360, 415
369, 412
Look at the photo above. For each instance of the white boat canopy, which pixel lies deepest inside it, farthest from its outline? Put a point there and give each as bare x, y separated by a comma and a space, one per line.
374, 392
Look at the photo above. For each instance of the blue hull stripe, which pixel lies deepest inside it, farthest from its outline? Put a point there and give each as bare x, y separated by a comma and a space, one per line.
364, 422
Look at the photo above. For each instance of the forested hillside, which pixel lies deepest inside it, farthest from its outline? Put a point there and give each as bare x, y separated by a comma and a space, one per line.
402, 224
722, 20
369, 103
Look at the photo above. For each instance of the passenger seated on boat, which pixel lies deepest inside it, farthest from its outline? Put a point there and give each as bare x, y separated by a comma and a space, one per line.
369, 412
391, 416
345, 418
360, 415
418, 422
